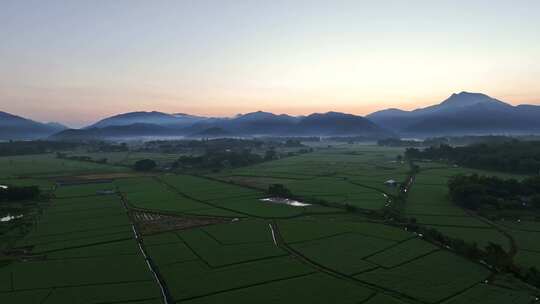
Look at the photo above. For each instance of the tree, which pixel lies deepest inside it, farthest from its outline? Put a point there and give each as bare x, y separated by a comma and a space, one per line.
15, 193
279, 190
145, 165
270, 155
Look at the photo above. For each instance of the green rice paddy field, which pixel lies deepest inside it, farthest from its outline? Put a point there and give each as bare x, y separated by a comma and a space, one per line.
126, 238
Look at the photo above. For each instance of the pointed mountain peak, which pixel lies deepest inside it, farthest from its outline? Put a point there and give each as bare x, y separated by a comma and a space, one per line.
256, 115
464, 99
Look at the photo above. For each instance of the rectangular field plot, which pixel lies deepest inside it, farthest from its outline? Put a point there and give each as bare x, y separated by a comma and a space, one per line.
24, 297
216, 254
241, 232
75, 239
170, 253
194, 279
342, 253
85, 252
109, 248
148, 193
83, 189
402, 253
301, 230
205, 189
233, 198
78, 222
383, 299
431, 278
49, 165
489, 294
313, 288
337, 190
136, 292
431, 200
76, 272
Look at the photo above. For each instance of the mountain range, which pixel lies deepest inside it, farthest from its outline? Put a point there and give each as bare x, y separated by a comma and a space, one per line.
157, 124
460, 114
16, 127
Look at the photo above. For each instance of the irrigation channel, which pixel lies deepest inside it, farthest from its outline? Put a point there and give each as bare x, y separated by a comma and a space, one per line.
167, 299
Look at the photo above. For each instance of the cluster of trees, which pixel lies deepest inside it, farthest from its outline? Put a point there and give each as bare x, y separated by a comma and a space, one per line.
102, 146
493, 254
80, 158
216, 160
476, 192
512, 156
16, 193
396, 142
279, 190
44, 146
218, 144
33, 147
144, 165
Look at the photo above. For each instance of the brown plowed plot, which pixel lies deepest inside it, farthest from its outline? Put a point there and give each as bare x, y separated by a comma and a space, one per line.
149, 222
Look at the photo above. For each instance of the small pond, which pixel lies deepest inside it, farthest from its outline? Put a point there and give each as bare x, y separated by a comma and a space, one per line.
284, 201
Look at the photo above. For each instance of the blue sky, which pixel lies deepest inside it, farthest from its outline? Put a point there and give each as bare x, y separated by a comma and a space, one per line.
77, 61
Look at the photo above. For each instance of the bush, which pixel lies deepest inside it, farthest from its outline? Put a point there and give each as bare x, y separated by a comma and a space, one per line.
145, 165
279, 190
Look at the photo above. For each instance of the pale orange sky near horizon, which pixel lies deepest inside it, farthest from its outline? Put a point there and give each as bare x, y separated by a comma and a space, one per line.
76, 62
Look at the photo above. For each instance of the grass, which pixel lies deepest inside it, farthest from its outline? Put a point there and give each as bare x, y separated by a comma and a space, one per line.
402, 253
431, 278
315, 288
489, 294
88, 254
194, 279
43, 165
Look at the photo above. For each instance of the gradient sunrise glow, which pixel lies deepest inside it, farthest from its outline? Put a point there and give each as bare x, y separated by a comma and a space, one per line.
79, 61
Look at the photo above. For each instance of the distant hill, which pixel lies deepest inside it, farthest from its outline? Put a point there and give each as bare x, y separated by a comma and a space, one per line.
462, 114
269, 124
211, 133
156, 118
250, 124
16, 127
127, 131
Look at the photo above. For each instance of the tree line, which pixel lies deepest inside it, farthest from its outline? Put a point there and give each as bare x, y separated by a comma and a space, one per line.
513, 156
475, 192
19, 193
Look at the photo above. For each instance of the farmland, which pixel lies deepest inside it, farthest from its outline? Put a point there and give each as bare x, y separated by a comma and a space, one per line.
103, 233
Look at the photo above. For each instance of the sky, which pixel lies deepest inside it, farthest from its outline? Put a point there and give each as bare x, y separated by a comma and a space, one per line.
78, 61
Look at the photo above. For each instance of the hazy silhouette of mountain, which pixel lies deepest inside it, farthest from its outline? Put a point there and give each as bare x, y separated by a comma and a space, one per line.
157, 118
460, 114
250, 124
339, 124
211, 133
264, 123
16, 127
125, 131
